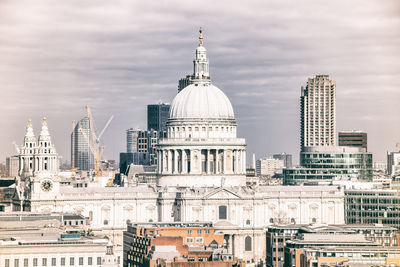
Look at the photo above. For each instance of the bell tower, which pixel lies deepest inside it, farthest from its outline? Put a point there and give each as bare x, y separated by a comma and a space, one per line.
26, 162
45, 158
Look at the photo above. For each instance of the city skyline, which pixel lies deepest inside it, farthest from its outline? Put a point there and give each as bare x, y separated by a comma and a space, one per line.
55, 69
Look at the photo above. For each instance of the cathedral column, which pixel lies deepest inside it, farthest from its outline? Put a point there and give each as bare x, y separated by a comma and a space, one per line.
169, 162
244, 160
230, 244
175, 161
236, 161
208, 161
224, 162
158, 161
216, 161
191, 161
183, 161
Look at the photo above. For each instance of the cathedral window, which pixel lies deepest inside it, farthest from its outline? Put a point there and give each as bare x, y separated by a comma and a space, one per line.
247, 243
222, 213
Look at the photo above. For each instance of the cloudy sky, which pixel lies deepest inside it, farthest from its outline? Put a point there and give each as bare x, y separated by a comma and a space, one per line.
118, 56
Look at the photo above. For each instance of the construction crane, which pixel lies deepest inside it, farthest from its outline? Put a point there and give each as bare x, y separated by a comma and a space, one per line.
73, 148
16, 147
94, 142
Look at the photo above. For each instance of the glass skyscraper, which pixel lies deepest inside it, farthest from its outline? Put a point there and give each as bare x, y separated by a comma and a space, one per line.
157, 116
83, 158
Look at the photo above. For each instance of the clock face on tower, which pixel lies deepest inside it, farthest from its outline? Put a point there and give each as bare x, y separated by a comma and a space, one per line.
46, 185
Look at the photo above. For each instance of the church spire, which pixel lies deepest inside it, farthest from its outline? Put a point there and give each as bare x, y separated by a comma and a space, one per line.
201, 37
29, 130
45, 129
200, 63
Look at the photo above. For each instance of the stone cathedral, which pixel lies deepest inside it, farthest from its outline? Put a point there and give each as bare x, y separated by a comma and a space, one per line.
201, 178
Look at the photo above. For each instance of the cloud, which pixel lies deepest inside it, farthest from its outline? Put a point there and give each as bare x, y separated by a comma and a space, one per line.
120, 56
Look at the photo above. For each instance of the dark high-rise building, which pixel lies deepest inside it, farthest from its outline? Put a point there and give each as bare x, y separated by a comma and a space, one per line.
287, 159
353, 138
157, 116
136, 158
80, 150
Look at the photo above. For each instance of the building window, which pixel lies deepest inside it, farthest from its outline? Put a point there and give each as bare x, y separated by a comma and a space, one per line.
222, 212
26, 262
53, 261
248, 222
63, 261
35, 262
80, 260
16, 262
189, 239
90, 261
44, 261
199, 231
247, 243
7, 262
105, 222
191, 259
98, 260
207, 231
199, 240
189, 231
71, 261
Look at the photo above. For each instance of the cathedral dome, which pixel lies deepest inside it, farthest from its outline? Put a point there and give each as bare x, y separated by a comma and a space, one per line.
201, 101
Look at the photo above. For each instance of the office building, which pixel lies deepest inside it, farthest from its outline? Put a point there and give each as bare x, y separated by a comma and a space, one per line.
294, 249
12, 166
278, 235
318, 112
360, 256
268, 167
353, 138
143, 142
372, 206
331, 163
287, 159
80, 148
157, 116
132, 140
393, 163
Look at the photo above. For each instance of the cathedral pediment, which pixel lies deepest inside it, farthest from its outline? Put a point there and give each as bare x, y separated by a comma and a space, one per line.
222, 193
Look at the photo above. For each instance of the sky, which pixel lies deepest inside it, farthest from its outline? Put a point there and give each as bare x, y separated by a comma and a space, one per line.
117, 56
